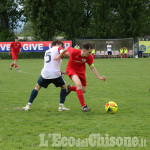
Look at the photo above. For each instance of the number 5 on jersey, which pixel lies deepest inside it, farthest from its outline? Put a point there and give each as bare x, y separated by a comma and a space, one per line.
48, 55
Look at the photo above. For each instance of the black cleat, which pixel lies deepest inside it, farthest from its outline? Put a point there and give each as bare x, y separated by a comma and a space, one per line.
68, 91
86, 108
10, 68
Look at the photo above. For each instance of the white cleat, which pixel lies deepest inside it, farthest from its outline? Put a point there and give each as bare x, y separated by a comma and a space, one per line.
62, 108
27, 107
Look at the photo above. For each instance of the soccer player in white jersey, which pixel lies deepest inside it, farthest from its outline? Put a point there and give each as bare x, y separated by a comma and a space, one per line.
51, 73
109, 47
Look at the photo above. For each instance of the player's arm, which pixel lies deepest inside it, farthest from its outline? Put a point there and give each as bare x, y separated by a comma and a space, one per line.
93, 69
63, 72
61, 54
10, 50
20, 49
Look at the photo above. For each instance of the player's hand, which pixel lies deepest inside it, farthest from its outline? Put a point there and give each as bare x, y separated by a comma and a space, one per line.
9, 53
57, 58
63, 72
103, 78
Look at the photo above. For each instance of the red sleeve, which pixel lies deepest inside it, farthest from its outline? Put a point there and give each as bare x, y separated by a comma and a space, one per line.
70, 50
60, 48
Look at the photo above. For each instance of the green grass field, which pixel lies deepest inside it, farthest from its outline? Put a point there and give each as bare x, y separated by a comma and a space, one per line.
128, 83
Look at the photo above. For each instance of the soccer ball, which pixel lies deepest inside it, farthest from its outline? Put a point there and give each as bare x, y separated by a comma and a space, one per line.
111, 107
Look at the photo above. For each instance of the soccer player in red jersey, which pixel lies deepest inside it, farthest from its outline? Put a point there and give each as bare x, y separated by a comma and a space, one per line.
15, 46
76, 70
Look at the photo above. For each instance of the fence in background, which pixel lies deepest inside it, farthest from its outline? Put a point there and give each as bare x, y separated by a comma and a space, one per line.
101, 45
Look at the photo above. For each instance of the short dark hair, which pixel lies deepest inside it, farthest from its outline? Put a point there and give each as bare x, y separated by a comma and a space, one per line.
16, 37
57, 42
87, 46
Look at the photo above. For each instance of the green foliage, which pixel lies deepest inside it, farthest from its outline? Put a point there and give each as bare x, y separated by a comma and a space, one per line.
27, 30
74, 17
6, 35
47, 19
41, 14
10, 14
118, 19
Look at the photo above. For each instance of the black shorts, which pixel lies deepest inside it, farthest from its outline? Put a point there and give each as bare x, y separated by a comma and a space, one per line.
109, 53
45, 82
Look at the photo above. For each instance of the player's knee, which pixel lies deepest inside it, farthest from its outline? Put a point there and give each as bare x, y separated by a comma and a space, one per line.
37, 87
63, 87
79, 86
83, 90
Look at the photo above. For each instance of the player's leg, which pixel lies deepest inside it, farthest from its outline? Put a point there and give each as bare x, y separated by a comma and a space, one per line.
11, 66
79, 92
121, 55
40, 83
60, 82
34, 93
84, 89
63, 94
73, 88
15, 64
32, 96
111, 54
83, 80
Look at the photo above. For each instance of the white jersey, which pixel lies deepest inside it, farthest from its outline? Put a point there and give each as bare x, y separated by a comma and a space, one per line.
109, 48
51, 68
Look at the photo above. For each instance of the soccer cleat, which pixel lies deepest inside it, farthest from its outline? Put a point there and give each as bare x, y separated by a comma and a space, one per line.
16, 68
10, 68
27, 107
68, 91
62, 107
86, 108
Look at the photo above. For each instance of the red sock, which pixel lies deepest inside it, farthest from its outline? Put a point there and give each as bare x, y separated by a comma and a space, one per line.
80, 97
72, 88
12, 65
15, 66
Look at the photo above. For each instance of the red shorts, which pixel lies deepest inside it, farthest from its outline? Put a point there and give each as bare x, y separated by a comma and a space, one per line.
15, 56
81, 76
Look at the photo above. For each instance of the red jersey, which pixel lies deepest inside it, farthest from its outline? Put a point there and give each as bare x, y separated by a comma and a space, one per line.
15, 47
77, 62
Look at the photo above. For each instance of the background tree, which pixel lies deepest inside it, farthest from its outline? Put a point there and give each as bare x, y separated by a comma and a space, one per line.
75, 17
10, 15
27, 30
117, 19
42, 15
130, 18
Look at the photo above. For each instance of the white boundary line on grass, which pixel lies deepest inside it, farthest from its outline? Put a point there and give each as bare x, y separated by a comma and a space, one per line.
20, 71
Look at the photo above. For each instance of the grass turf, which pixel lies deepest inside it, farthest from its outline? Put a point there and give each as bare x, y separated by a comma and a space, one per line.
128, 83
